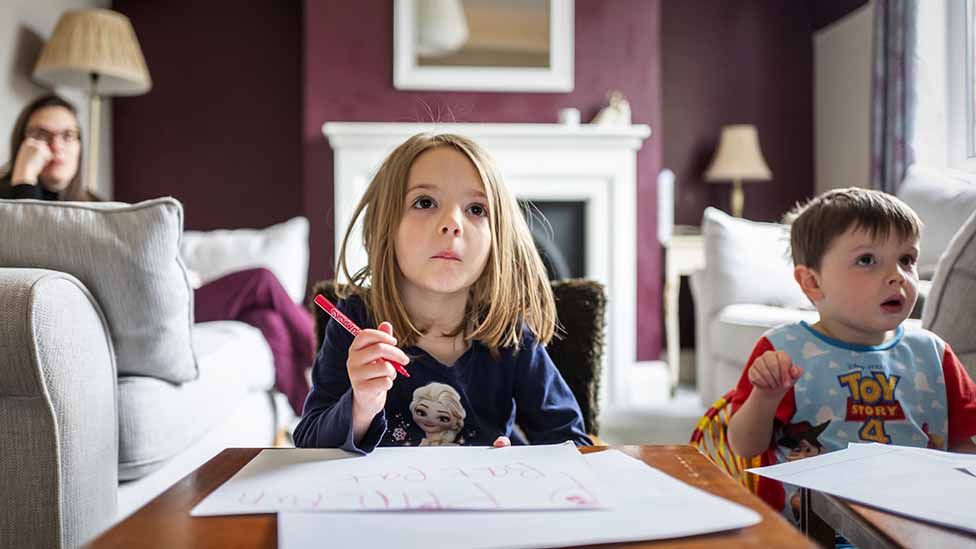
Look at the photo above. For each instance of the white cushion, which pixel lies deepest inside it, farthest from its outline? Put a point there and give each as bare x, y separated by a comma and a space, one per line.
748, 262
943, 199
737, 328
281, 248
127, 255
251, 423
158, 420
950, 309
733, 335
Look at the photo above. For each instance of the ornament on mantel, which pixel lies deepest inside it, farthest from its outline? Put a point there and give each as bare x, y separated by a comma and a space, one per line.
617, 113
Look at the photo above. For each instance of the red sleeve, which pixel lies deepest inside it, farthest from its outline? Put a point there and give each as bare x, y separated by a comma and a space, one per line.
769, 490
787, 406
961, 396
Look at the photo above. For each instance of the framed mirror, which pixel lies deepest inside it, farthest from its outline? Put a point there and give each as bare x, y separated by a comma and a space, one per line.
483, 45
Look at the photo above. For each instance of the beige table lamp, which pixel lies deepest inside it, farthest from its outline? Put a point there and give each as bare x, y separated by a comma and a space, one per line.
95, 50
739, 160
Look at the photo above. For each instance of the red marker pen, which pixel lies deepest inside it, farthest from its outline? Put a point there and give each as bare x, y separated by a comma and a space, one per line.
350, 326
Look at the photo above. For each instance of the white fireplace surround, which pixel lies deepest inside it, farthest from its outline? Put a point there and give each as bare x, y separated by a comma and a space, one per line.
594, 165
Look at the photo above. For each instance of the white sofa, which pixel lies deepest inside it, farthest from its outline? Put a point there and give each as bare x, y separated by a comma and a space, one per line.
108, 392
747, 285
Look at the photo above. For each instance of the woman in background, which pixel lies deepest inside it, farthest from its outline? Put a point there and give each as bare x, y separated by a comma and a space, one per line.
45, 156
45, 152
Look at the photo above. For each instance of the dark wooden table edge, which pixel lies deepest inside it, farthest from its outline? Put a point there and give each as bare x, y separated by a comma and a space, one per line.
857, 523
829, 514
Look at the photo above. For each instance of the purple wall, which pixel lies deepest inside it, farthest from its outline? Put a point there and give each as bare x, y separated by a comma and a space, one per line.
220, 129
749, 61
824, 13
232, 126
348, 76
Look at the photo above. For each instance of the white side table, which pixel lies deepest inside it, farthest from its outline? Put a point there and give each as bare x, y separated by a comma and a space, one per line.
684, 254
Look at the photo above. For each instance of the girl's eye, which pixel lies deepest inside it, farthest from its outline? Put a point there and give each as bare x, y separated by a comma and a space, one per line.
423, 203
908, 260
478, 210
866, 260
444, 419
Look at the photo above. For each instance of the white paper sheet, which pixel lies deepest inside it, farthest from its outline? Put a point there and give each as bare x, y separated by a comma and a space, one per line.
650, 505
915, 482
400, 479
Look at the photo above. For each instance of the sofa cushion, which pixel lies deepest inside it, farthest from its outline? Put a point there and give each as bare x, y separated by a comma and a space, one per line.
950, 309
924, 287
943, 199
736, 328
127, 255
281, 248
748, 262
157, 420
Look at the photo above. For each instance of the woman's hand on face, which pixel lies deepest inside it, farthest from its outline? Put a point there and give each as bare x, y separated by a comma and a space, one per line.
369, 368
32, 157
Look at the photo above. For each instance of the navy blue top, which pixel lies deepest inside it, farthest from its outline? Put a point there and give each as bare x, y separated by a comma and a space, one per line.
19, 192
471, 403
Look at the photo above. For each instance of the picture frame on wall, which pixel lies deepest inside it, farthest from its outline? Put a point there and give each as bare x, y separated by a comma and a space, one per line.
483, 45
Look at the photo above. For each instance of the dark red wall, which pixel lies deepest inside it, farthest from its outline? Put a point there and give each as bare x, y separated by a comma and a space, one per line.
220, 130
743, 62
348, 76
824, 13
232, 126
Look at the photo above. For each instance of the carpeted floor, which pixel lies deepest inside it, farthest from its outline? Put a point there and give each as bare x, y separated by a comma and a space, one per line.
662, 421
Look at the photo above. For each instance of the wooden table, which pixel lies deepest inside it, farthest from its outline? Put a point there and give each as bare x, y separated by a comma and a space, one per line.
870, 528
166, 521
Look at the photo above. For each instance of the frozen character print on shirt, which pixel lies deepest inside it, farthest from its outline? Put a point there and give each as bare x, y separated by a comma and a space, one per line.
436, 408
802, 440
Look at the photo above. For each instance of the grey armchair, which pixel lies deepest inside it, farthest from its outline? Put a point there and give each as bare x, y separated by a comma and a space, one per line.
58, 419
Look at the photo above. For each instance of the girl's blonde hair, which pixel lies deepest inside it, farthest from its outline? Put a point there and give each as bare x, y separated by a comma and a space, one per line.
512, 291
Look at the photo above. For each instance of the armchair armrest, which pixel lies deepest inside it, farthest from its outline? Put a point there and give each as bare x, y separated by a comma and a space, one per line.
58, 418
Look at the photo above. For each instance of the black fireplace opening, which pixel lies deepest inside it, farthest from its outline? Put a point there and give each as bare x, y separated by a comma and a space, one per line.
558, 232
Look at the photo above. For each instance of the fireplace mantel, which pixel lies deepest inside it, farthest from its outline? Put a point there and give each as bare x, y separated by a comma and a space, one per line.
596, 165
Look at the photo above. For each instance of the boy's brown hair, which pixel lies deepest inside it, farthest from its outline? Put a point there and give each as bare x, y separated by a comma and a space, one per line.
823, 218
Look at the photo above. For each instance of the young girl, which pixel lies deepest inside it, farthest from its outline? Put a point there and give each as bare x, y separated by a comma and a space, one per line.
451, 271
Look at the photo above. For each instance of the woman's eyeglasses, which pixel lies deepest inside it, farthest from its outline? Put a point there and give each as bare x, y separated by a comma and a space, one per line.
68, 137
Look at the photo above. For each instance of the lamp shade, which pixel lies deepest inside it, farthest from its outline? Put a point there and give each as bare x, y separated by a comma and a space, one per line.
94, 41
738, 157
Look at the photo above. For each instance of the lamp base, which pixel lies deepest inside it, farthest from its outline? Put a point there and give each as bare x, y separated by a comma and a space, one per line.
94, 119
738, 198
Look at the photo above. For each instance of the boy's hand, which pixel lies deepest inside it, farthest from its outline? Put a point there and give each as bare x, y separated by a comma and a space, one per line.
370, 372
773, 373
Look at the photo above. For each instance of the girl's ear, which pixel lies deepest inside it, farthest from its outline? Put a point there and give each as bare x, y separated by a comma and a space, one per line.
809, 281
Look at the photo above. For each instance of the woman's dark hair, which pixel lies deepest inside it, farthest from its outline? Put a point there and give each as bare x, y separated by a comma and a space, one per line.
75, 189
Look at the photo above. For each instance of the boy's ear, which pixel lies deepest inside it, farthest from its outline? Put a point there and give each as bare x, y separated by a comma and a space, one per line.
809, 281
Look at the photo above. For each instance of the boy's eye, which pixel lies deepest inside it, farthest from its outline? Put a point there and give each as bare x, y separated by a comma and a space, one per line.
423, 203
478, 210
866, 260
908, 260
